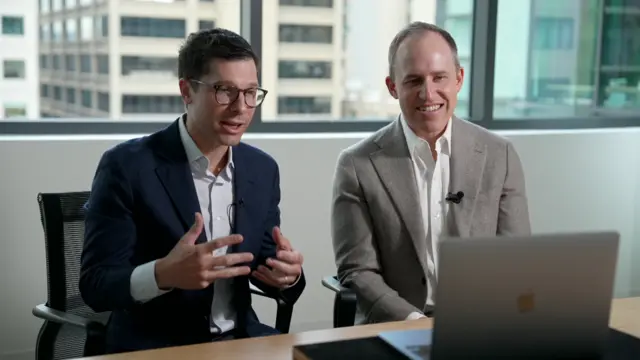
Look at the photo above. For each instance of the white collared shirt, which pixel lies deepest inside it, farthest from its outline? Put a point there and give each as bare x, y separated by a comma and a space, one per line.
215, 197
432, 180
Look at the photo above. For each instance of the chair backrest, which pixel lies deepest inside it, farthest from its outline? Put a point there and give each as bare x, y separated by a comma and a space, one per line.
62, 216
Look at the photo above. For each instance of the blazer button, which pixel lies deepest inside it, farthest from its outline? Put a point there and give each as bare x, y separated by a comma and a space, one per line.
424, 281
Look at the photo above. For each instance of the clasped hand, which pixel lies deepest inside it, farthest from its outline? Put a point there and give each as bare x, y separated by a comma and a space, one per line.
194, 266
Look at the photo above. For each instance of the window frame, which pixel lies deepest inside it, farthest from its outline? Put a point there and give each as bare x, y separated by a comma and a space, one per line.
485, 14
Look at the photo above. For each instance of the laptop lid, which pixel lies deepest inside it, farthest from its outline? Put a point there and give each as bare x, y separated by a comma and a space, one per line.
542, 296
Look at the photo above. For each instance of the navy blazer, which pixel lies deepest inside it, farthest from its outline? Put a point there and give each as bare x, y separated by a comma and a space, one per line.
142, 201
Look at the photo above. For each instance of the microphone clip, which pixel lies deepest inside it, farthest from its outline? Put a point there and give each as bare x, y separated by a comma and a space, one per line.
455, 198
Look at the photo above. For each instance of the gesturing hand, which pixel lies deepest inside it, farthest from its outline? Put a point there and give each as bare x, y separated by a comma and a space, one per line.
285, 268
191, 266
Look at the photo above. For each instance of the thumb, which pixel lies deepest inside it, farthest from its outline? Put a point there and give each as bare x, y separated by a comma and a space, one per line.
191, 236
280, 240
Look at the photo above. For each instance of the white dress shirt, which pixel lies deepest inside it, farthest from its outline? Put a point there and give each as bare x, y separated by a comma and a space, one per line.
215, 196
432, 180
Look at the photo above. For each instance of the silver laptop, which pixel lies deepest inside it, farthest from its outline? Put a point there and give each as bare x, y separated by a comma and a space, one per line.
537, 297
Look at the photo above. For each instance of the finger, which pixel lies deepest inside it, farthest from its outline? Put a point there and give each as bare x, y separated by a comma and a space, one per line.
281, 241
291, 257
231, 259
192, 235
287, 269
221, 242
226, 273
265, 279
276, 277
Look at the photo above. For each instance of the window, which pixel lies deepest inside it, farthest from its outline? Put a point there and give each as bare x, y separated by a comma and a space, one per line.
85, 63
57, 93
86, 28
559, 67
71, 30
317, 3
70, 62
56, 62
288, 69
152, 27
44, 61
304, 105
206, 24
15, 111
14, 69
306, 34
103, 101
103, 64
12, 25
45, 6
71, 95
152, 104
87, 99
56, 33
44, 90
132, 65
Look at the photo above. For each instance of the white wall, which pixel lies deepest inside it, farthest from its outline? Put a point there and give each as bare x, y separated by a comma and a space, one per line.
588, 180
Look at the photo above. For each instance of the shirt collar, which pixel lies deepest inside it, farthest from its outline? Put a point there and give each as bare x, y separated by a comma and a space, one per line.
194, 155
414, 141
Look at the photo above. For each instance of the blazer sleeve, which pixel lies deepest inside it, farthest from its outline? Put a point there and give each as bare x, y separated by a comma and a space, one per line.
268, 248
110, 236
513, 215
355, 250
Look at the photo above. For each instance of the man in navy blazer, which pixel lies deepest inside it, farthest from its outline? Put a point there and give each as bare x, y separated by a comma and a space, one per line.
180, 221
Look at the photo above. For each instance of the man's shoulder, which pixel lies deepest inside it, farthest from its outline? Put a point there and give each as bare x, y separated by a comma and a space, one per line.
482, 135
368, 145
255, 155
128, 153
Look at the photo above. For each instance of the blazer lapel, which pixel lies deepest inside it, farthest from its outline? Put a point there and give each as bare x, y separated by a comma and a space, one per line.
242, 187
175, 175
395, 169
467, 165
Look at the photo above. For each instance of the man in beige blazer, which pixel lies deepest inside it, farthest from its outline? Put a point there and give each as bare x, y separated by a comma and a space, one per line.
426, 176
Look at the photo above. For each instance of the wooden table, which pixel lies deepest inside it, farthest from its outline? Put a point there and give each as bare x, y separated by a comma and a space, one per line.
625, 317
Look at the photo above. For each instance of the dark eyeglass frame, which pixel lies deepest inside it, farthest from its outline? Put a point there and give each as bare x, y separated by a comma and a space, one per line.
217, 88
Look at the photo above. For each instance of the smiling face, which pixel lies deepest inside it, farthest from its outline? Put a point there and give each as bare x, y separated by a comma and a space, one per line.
426, 81
221, 104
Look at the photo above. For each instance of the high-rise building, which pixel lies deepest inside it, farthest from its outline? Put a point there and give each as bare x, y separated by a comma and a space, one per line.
303, 59
118, 59
18, 60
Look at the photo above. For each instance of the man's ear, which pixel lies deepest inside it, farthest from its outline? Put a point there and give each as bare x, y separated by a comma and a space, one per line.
186, 91
391, 87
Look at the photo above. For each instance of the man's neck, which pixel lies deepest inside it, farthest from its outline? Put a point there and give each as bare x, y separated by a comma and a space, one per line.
216, 153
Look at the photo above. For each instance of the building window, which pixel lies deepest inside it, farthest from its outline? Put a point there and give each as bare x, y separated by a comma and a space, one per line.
310, 3
132, 65
70, 62
45, 6
103, 101
304, 105
14, 69
152, 104
15, 111
291, 69
12, 25
103, 64
86, 28
553, 33
152, 27
71, 95
57, 93
85, 63
71, 30
56, 62
56, 31
44, 90
102, 26
44, 61
306, 34
206, 24
86, 99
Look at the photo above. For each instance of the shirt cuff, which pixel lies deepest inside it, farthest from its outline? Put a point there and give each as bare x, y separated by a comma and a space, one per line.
143, 283
415, 316
294, 283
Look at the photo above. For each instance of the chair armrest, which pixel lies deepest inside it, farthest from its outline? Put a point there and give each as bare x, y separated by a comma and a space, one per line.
284, 312
332, 283
44, 312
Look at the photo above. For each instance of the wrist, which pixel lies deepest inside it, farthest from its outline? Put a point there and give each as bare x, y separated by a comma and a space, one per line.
160, 271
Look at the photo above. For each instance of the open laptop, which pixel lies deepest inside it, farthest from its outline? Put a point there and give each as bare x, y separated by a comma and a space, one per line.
536, 297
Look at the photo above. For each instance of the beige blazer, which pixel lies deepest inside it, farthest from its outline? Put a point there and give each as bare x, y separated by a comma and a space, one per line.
378, 237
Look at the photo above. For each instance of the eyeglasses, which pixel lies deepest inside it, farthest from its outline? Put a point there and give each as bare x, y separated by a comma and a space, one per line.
226, 95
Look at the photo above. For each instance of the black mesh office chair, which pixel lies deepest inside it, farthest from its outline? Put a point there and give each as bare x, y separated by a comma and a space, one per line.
71, 329
344, 303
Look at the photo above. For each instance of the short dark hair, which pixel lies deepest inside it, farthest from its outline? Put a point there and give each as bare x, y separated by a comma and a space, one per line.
205, 45
418, 27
